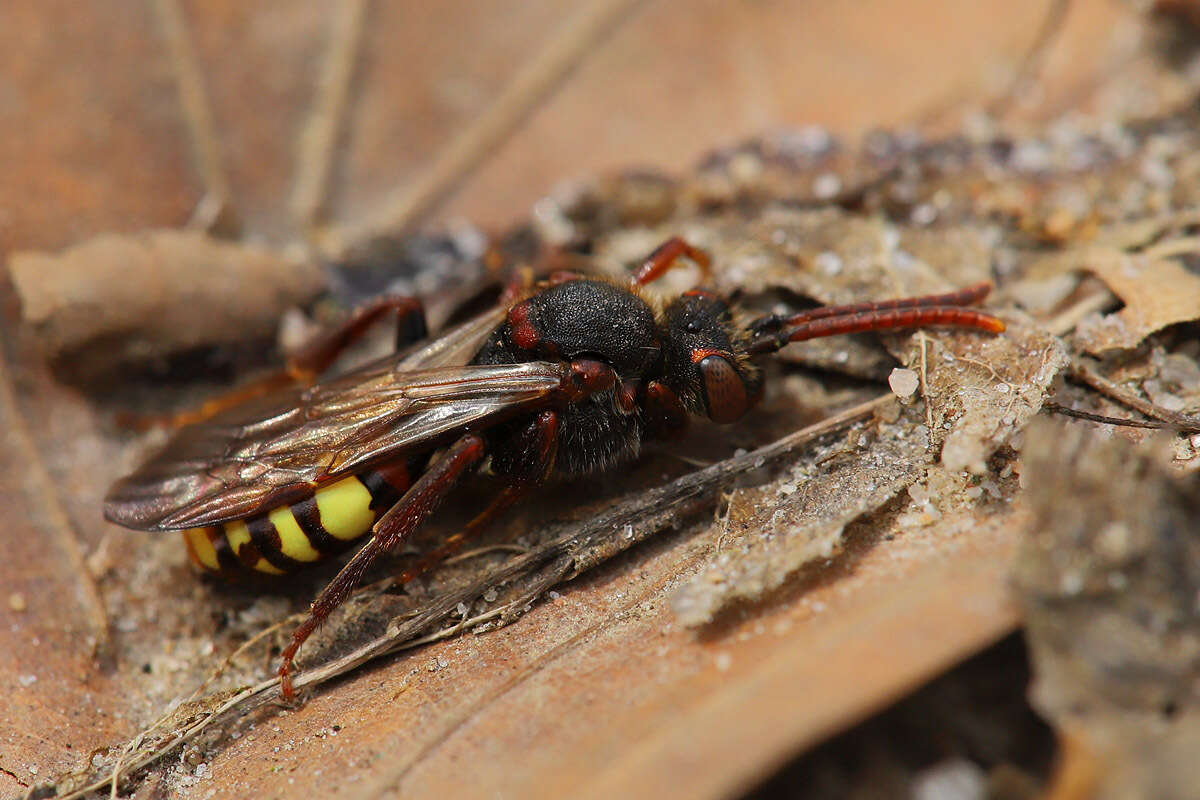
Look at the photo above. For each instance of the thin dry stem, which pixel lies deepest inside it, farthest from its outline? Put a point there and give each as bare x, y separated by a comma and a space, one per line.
1087, 375
214, 209
318, 140
1035, 58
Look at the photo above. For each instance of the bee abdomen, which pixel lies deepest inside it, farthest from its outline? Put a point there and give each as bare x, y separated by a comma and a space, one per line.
289, 538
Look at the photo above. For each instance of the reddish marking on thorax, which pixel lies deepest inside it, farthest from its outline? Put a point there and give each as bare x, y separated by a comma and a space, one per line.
522, 332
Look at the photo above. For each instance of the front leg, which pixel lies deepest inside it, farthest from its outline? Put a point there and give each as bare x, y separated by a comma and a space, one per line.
316, 357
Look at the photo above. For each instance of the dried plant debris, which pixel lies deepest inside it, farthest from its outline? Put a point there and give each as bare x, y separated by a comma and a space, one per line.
124, 301
768, 532
1052, 186
826, 255
982, 391
1156, 287
442, 269
1109, 576
116, 299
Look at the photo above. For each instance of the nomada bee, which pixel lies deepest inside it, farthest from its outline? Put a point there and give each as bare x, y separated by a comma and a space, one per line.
562, 379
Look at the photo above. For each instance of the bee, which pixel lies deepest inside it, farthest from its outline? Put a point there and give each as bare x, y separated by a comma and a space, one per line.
564, 378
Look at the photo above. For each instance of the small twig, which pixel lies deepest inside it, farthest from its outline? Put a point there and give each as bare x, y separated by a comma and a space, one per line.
318, 139
482, 551
1182, 246
1085, 374
1107, 420
1035, 57
722, 519
925, 384
215, 209
532, 84
1027, 69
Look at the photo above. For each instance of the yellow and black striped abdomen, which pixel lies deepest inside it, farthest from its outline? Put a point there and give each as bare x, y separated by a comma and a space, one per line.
289, 538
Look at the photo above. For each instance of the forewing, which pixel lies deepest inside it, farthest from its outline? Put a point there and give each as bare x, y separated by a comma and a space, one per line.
270, 453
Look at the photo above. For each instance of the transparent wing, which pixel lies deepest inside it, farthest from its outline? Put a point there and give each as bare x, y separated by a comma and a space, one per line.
272, 451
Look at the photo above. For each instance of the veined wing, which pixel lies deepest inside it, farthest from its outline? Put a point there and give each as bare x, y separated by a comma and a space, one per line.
273, 451
456, 346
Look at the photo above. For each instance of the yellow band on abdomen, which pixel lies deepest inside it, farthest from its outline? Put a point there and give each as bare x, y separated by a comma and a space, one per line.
238, 536
345, 509
287, 536
293, 542
201, 549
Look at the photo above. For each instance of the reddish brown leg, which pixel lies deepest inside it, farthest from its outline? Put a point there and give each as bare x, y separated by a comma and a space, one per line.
665, 256
665, 415
318, 356
540, 447
427, 561
401, 520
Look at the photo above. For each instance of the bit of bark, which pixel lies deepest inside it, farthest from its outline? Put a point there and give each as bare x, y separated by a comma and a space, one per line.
983, 390
119, 299
769, 532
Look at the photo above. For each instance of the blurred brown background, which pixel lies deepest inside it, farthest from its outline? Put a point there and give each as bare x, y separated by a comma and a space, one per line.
95, 135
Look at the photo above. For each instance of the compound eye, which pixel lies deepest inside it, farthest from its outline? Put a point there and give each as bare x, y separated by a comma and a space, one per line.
724, 390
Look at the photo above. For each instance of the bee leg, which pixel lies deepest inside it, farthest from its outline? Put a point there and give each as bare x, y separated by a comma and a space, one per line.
310, 362
319, 355
537, 446
427, 561
402, 519
665, 256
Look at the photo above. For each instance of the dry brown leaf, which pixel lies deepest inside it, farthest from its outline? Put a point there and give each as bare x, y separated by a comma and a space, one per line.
1157, 291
